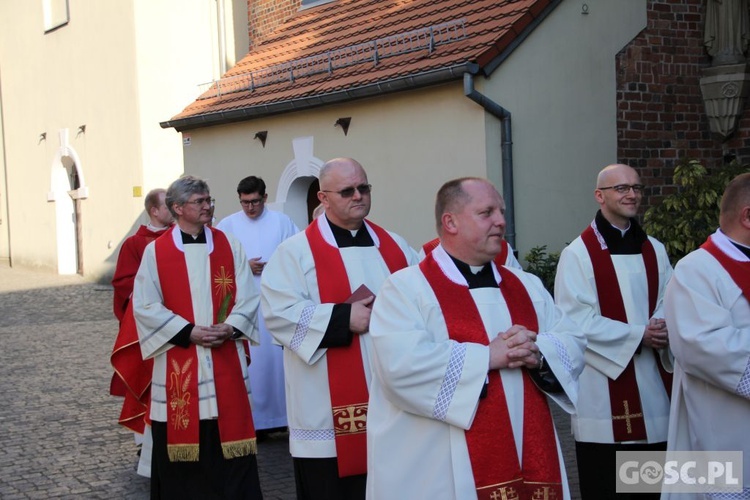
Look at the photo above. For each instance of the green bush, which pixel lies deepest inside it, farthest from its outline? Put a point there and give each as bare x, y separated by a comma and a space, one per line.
544, 265
683, 220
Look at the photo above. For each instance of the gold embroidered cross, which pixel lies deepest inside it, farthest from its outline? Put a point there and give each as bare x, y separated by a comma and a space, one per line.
223, 282
350, 419
504, 493
544, 493
627, 416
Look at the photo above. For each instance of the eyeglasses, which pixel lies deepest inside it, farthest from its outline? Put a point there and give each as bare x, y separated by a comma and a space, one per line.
349, 192
625, 188
255, 203
201, 201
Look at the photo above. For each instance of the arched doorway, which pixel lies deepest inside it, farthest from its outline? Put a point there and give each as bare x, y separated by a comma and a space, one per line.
312, 198
67, 189
299, 183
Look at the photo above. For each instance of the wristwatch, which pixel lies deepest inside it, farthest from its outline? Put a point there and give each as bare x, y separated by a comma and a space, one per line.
236, 335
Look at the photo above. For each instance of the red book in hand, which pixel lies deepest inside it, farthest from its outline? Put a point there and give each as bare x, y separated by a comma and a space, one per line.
359, 294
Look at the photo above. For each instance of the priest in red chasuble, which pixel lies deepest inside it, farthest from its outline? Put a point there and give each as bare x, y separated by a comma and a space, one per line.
195, 305
465, 354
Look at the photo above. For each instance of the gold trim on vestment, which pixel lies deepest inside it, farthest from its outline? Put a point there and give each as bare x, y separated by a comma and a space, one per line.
242, 448
183, 452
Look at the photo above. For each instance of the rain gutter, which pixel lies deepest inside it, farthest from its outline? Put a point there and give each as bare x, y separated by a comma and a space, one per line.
409, 82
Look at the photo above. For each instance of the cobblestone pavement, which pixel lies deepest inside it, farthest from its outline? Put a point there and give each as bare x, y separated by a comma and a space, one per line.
59, 437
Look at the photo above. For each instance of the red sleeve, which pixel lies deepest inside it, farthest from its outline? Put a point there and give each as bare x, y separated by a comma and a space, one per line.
127, 265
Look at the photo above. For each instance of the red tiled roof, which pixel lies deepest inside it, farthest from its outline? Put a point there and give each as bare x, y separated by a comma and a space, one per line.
469, 35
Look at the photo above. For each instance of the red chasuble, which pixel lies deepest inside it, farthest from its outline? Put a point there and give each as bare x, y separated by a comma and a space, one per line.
499, 258
492, 447
628, 422
738, 270
235, 420
132, 377
346, 373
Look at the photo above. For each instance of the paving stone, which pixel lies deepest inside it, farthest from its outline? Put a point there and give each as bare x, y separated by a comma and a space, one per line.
60, 437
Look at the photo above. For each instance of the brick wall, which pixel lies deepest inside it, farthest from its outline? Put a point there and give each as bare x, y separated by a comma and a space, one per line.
265, 15
660, 113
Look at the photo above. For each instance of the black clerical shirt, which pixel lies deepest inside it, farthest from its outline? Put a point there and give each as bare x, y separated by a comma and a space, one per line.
618, 244
337, 333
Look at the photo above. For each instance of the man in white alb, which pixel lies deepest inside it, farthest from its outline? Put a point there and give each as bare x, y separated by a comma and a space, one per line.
260, 231
464, 352
611, 281
707, 305
314, 304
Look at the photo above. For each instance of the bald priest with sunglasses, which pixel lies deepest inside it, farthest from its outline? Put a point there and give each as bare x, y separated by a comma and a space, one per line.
611, 281
317, 291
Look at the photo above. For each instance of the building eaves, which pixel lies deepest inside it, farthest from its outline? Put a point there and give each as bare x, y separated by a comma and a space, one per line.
288, 71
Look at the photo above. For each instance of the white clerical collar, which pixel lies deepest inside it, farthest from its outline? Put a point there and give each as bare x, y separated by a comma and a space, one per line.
726, 245
177, 238
622, 231
451, 271
325, 231
155, 229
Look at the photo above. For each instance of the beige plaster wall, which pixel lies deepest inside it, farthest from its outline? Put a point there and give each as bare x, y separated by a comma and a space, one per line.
560, 87
4, 233
119, 68
69, 77
409, 143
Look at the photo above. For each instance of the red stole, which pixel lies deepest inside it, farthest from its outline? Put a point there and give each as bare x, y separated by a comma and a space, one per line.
499, 258
628, 422
346, 373
738, 270
235, 420
492, 447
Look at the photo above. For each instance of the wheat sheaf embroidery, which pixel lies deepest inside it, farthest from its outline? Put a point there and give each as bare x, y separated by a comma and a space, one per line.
179, 396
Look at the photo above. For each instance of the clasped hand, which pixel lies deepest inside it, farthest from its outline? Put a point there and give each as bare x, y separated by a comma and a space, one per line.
655, 334
514, 348
211, 336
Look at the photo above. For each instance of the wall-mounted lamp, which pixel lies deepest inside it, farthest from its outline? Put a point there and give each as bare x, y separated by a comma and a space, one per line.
343, 123
42, 137
585, 9
262, 135
81, 130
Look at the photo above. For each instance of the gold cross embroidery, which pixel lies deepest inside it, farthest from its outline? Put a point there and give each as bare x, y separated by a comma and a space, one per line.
350, 419
627, 416
544, 493
223, 282
504, 493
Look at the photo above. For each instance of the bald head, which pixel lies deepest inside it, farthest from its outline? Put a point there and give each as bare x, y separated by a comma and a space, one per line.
611, 174
337, 166
734, 217
344, 192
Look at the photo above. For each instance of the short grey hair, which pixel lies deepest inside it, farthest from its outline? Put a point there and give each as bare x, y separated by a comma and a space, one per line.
182, 189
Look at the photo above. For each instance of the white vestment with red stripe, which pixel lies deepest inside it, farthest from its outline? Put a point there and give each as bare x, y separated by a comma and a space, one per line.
416, 441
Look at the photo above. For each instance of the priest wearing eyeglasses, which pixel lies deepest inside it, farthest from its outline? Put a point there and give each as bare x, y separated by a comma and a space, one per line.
317, 292
611, 281
195, 303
